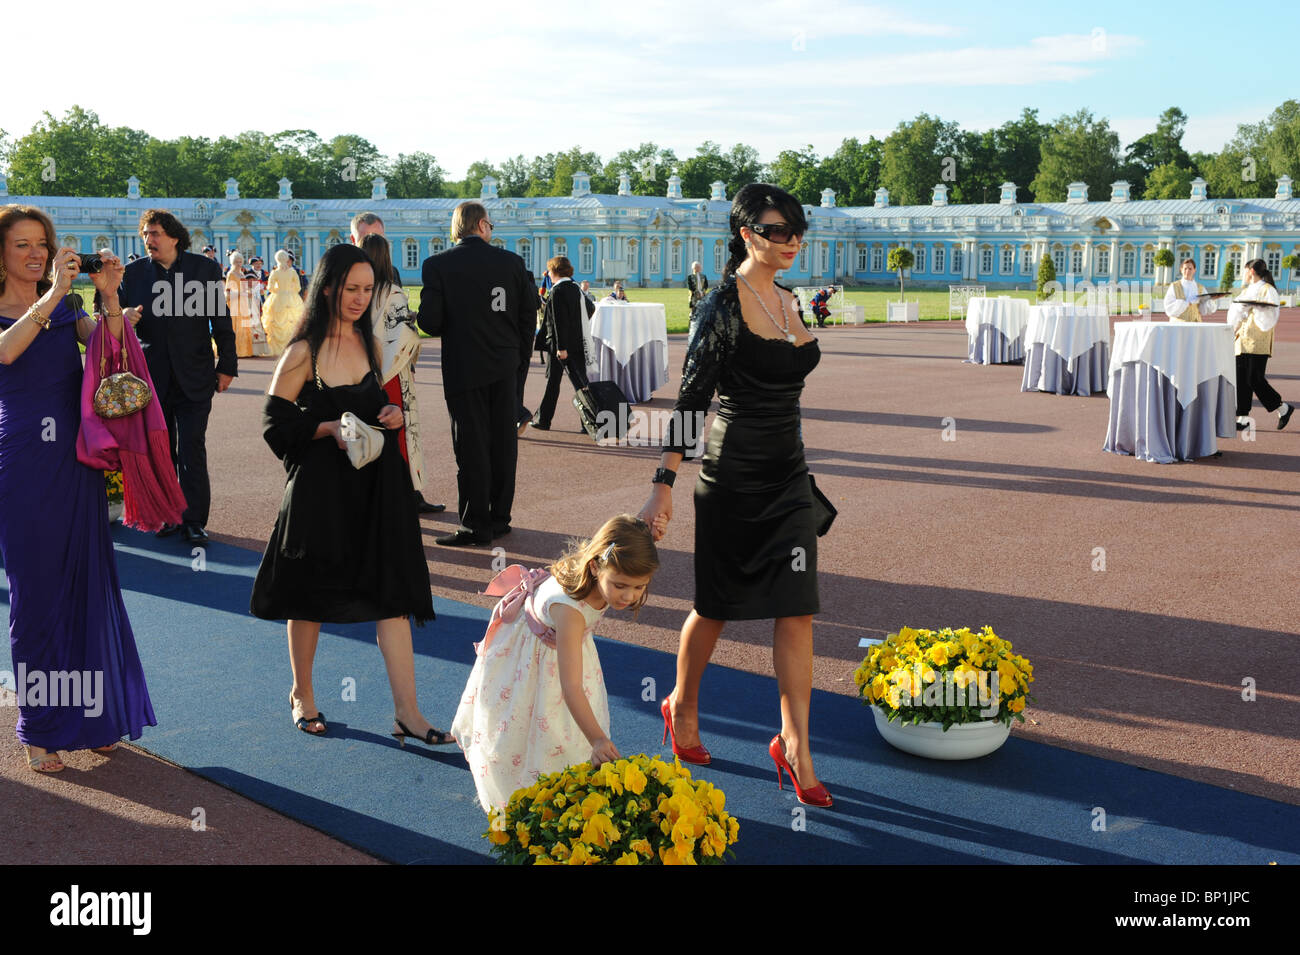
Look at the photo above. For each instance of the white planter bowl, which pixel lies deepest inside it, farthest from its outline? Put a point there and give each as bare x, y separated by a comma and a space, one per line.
115, 509
961, 741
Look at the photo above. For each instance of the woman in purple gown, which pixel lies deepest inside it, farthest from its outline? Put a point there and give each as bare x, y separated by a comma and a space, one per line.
79, 678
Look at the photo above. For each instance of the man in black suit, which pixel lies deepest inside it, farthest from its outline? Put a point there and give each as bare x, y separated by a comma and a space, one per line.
181, 303
562, 332
482, 301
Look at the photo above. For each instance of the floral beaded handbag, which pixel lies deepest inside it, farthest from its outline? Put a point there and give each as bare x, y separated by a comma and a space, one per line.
122, 393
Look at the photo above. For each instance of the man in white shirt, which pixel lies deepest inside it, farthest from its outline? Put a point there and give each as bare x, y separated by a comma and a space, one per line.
1185, 301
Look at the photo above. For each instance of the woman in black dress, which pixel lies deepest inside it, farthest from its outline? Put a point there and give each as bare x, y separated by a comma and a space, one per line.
755, 535
346, 546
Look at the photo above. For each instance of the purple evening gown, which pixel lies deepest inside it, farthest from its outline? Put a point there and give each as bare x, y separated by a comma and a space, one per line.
65, 604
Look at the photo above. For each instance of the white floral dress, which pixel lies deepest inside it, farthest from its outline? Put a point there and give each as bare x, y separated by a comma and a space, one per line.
512, 723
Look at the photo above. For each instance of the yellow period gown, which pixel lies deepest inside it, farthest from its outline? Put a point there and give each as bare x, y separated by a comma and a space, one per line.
282, 310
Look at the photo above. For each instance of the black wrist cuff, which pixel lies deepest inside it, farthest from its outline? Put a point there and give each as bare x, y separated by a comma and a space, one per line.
664, 476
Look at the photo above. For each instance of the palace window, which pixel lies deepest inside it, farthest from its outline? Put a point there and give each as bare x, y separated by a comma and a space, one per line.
410, 254
939, 263
633, 251
1128, 263
1148, 262
437, 244
1058, 260
561, 248
1008, 263
654, 256
1210, 263
104, 242
1103, 261
918, 253
822, 267
293, 245
1026, 259
958, 260
586, 257
1076, 261
676, 257
71, 242
1235, 258
803, 257
1273, 259
986, 259
877, 259
526, 253
719, 256
333, 239
862, 258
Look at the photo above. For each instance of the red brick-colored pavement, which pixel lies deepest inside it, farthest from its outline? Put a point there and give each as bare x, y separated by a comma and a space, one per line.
1009, 523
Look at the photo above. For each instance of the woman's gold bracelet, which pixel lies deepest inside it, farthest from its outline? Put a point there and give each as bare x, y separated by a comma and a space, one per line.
35, 315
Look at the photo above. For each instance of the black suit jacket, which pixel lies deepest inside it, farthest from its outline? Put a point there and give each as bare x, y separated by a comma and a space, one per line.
562, 318
482, 301
180, 321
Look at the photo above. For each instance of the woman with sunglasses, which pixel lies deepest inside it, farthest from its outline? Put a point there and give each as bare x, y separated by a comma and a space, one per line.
755, 535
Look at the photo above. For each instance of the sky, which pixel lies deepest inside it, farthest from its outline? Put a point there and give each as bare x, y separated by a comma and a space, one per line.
467, 81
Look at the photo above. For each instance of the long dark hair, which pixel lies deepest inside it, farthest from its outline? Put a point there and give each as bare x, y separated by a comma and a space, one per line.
1260, 268
323, 295
750, 203
380, 254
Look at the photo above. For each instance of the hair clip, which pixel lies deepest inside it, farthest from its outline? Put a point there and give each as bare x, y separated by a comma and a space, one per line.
604, 558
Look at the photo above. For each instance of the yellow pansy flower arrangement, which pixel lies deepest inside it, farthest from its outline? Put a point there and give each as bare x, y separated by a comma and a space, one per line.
634, 811
945, 676
113, 486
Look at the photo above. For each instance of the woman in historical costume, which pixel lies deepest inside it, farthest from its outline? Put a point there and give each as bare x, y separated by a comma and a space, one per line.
1253, 316
67, 623
239, 302
1186, 299
346, 546
755, 520
282, 310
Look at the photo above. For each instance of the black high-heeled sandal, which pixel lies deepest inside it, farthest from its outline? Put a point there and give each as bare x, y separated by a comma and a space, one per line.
432, 738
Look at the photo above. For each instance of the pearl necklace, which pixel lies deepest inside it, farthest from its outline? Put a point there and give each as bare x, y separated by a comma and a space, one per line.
789, 335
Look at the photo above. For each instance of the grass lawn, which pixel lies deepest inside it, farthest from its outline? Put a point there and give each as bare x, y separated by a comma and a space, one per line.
934, 302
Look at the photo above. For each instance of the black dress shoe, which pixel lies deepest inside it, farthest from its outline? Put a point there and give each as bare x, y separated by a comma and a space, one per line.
1281, 422
501, 531
167, 530
194, 534
541, 427
1242, 426
424, 507
462, 539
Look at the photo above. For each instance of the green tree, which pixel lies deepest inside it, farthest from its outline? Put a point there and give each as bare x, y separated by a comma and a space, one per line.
1164, 147
1168, 182
795, 171
853, 171
706, 167
471, 187
900, 260
1079, 148
648, 167
1229, 276
1289, 264
74, 156
1046, 276
1164, 258
1018, 149
916, 155
415, 176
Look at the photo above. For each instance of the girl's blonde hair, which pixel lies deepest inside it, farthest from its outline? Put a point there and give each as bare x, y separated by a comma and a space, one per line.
623, 544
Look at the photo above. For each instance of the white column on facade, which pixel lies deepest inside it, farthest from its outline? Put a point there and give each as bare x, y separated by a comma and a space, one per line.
602, 250
309, 253
971, 263
1114, 259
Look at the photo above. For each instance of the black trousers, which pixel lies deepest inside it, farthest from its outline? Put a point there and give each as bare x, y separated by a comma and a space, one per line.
1250, 380
576, 368
187, 434
522, 379
483, 436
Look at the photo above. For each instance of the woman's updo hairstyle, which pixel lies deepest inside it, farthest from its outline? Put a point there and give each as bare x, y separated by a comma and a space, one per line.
750, 203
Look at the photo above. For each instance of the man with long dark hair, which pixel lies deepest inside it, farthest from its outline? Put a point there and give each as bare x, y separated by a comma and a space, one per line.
482, 301
182, 305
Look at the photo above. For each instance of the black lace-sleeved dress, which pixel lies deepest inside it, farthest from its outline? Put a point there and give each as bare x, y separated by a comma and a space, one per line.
346, 547
755, 537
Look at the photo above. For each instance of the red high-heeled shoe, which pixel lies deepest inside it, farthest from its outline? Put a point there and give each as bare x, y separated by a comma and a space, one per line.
696, 754
817, 796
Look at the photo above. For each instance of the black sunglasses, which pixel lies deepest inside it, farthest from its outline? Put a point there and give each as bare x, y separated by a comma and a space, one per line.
777, 232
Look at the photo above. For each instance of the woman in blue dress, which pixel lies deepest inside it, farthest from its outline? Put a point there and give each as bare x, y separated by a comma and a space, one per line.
80, 682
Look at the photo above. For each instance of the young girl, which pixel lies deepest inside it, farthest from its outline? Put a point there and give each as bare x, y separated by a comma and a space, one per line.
535, 702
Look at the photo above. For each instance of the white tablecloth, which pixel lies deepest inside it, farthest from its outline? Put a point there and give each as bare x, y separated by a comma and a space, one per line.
1005, 316
630, 341
1172, 388
1068, 330
1187, 353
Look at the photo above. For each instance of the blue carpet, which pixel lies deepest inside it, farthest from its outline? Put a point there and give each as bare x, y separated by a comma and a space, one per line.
219, 679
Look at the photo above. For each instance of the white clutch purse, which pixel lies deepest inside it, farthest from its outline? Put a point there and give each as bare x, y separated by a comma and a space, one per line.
364, 442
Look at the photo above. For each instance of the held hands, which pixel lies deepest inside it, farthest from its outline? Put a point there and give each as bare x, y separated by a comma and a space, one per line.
390, 417
223, 381
658, 510
562, 355
335, 430
603, 751
108, 279
133, 314
66, 266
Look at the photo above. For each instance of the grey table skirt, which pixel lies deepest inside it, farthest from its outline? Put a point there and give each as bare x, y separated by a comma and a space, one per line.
1147, 421
645, 371
1045, 370
991, 347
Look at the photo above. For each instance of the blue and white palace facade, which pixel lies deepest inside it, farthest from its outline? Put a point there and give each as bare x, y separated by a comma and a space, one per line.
651, 241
